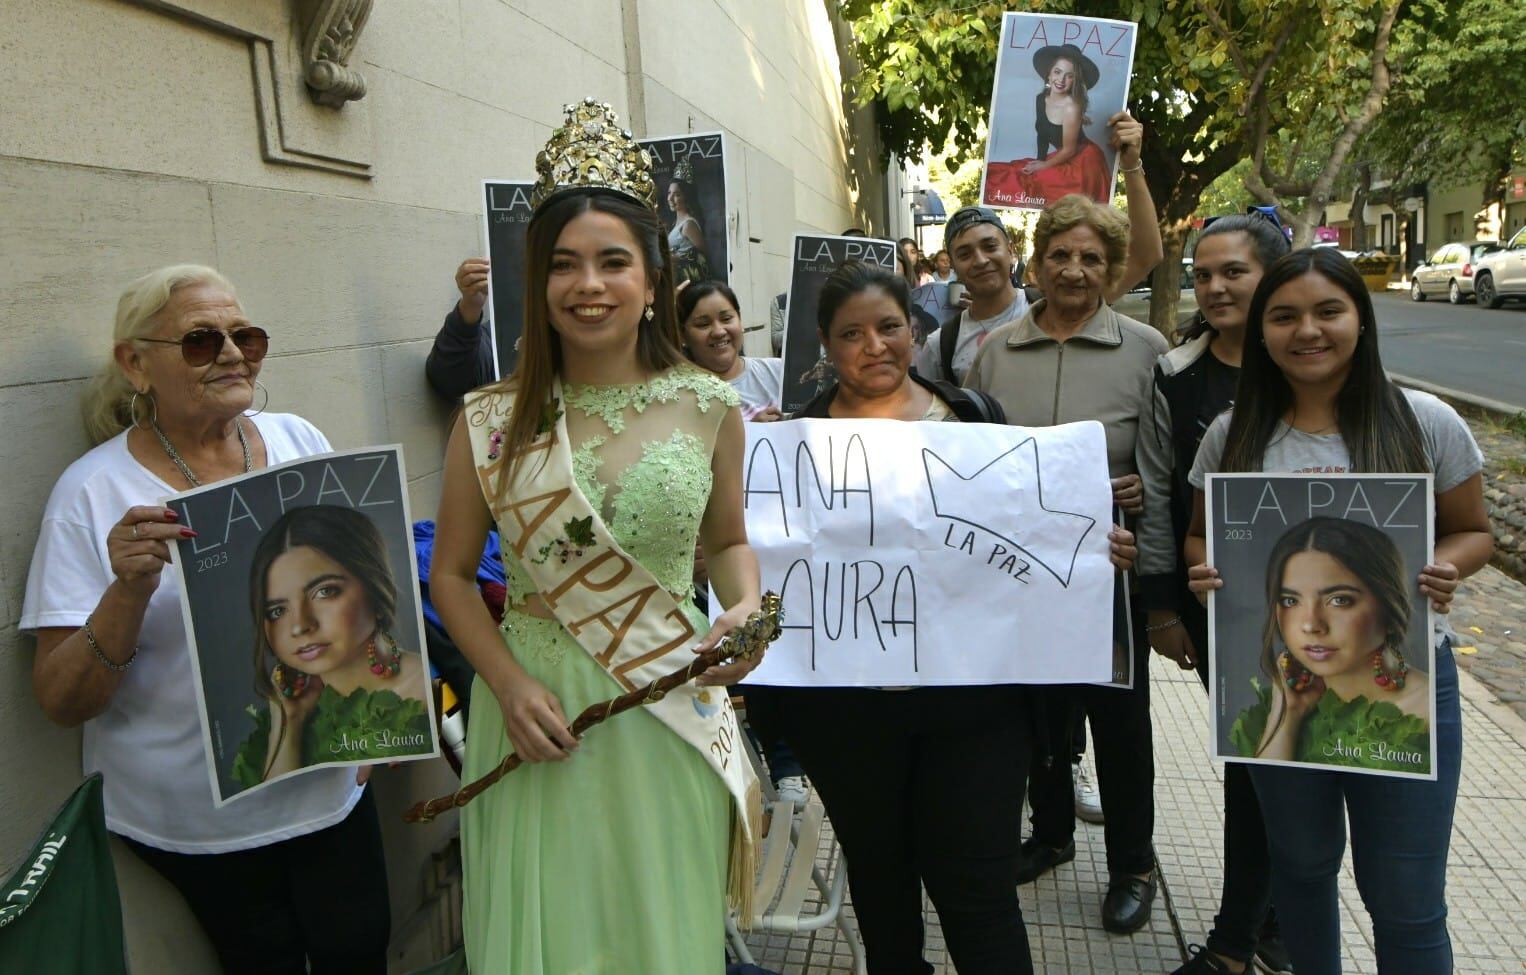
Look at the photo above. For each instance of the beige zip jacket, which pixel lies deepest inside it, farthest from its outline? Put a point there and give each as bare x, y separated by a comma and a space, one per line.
1104, 372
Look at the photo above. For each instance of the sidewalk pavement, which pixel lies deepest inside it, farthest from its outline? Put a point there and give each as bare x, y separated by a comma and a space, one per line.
1486, 874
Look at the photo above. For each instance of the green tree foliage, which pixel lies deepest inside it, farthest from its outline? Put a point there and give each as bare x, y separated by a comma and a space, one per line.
1455, 113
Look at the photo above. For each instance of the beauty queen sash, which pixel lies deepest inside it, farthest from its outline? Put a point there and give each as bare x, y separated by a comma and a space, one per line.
610, 604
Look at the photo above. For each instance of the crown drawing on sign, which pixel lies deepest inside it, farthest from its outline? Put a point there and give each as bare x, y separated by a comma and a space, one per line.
1051, 538
592, 151
684, 172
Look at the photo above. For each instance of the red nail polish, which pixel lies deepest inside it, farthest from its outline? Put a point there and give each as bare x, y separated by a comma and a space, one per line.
187, 533
170, 514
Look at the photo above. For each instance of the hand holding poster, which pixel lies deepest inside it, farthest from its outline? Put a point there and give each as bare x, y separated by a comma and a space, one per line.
507, 210
300, 595
1059, 79
690, 175
814, 258
1321, 650
932, 553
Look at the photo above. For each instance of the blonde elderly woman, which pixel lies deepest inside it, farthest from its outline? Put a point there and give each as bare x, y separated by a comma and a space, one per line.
292, 876
1071, 357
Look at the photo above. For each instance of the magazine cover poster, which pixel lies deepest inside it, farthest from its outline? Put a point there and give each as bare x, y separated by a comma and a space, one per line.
1321, 651
813, 259
690, 174
506, 212
1058, 80
300, 596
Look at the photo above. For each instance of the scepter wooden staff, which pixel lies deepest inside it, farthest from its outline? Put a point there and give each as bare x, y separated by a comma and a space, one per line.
745, 642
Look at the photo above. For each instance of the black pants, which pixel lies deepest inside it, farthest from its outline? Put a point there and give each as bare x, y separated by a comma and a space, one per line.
319, 898
1124, 753
1245, 903
919, 789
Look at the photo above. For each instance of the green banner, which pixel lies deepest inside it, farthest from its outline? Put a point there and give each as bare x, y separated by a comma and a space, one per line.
59, 912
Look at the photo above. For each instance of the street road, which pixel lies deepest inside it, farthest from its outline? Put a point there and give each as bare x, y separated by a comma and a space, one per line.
1462, 347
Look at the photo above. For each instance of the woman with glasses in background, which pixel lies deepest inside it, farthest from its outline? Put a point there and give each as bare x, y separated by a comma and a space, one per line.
290, 879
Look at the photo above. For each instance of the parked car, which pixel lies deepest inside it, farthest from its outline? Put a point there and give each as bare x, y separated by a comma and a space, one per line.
1449, 271
1136, 303
1502, 274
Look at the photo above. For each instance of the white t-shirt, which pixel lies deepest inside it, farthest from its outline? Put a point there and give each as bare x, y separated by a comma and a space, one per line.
760, 385
972, 332
148, 742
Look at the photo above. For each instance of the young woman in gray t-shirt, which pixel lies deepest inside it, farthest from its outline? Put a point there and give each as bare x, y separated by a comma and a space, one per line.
1313, 396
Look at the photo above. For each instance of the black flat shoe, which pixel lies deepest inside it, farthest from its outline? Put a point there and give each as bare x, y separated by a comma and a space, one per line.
1035, 859
1126, 907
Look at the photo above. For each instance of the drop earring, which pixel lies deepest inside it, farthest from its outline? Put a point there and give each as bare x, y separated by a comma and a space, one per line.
650, 314
289, 682
1294, 675
1383, 676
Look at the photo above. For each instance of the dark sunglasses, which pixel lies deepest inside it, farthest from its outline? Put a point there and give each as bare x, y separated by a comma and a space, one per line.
200, 346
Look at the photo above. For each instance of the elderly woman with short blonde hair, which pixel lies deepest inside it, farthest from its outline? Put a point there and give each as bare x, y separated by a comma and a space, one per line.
284, 879
1070, 358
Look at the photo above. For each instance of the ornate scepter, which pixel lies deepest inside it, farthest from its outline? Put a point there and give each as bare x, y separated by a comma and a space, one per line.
745, 642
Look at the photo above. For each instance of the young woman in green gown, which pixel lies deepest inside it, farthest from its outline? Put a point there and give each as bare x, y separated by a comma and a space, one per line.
609, 855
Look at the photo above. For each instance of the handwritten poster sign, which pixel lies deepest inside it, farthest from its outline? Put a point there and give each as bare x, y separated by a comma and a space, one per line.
814, 258
690, 174
506, 209
300, 596
1058, 80
932, 553
1321, 648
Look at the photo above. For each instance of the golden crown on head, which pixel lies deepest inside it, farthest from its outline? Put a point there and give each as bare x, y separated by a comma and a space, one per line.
591, 151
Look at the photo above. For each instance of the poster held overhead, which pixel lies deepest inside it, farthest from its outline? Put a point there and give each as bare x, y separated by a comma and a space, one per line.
506, 211
1321, 644
689, 172
813, 258
1058, 81
300, 598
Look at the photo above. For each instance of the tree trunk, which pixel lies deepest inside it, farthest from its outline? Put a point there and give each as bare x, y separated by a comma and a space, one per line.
1359, 208
1166, 279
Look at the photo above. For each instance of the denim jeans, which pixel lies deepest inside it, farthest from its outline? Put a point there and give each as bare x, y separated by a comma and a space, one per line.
1400, 829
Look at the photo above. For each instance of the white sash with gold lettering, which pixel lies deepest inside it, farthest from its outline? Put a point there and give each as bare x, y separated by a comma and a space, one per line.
610, 604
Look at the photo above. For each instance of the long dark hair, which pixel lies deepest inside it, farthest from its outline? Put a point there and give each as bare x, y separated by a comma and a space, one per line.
852, 278
342, 534
1368, 554
658, 342
1374, 419
1266, 241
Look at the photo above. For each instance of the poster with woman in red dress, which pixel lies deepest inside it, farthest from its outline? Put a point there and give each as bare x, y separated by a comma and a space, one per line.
1058, 82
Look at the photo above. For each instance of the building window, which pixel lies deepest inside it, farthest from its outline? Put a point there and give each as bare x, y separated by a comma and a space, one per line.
1387, 240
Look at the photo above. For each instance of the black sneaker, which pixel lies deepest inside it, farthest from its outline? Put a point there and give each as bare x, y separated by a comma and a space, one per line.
1035, 859
1272, 955
1202, 962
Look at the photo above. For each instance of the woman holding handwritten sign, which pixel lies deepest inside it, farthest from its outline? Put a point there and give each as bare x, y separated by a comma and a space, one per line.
918, 782
1313, 397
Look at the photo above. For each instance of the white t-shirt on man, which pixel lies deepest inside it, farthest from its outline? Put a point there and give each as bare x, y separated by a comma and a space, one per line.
148, 742
972, 333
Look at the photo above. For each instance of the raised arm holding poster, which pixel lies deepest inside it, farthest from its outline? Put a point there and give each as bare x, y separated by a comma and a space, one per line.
300, 595
690, 174
506, 208
1058, 81
813, 259
1320, 641
893, 544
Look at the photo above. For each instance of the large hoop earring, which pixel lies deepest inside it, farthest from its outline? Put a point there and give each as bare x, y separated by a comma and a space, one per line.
288, 682
132, 409
259, 387
1293, 673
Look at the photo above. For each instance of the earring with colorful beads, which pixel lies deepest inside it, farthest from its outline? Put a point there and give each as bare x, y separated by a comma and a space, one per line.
1294, 675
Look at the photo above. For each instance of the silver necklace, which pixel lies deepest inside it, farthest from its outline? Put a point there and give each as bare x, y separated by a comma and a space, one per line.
169, 448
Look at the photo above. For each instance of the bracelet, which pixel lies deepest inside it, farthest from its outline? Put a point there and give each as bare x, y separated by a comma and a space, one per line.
1135, 169
95, 648
1163, 626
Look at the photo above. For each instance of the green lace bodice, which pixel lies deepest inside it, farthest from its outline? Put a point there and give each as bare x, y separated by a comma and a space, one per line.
641, 454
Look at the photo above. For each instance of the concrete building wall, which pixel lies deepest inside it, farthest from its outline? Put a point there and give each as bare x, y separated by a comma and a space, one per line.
138, 133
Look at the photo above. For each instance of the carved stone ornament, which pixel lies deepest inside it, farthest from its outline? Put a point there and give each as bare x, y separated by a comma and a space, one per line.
327, 45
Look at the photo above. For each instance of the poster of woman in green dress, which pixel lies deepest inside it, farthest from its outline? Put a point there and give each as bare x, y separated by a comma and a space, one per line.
1322, 653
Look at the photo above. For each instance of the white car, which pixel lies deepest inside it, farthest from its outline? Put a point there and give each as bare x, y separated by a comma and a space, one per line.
1502, 274
1449, 271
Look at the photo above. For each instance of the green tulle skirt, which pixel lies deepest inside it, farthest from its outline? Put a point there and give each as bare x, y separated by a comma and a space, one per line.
613, 861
